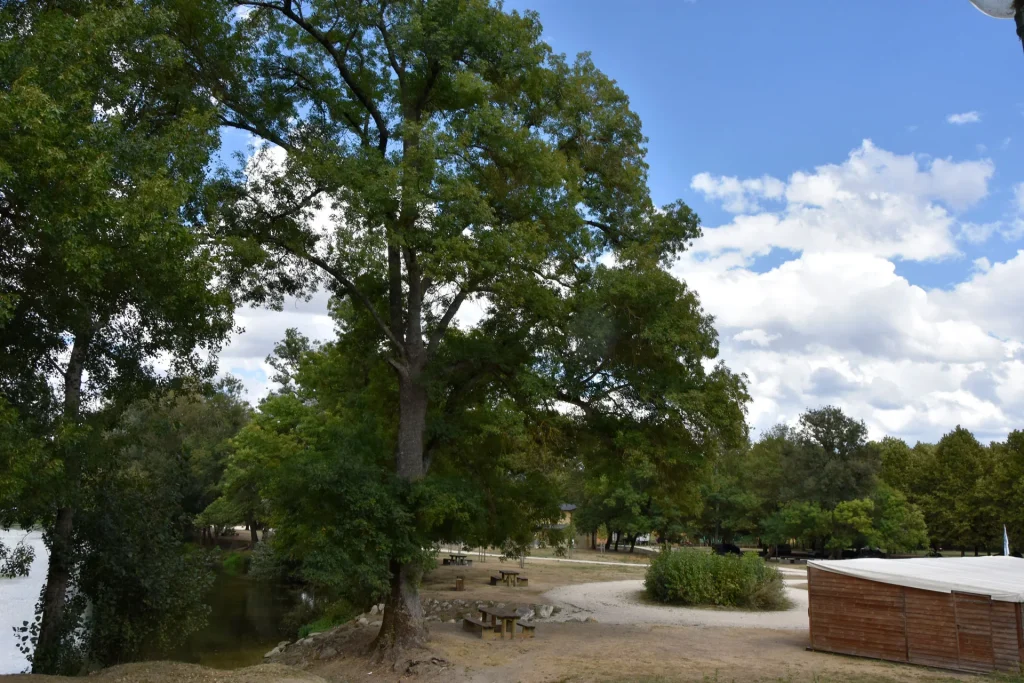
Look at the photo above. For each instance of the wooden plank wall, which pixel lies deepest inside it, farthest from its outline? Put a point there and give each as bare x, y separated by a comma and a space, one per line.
856, 617
1005, 645
931, 629
951, 631
974, 631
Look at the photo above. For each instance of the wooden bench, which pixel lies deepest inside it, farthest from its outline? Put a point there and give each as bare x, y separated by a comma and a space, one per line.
523, 581
495, 580
528, 629
486, 630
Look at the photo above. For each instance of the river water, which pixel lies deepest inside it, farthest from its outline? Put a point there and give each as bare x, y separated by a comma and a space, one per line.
247, 617
18, 598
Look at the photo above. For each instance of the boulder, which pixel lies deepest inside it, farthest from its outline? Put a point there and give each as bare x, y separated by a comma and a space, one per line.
544, 611
328, 653
362, 621
374, 610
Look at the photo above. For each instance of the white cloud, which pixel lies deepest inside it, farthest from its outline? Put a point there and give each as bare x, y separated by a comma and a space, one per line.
1018, 195
837, 323
875, 202
966, 117
738, 196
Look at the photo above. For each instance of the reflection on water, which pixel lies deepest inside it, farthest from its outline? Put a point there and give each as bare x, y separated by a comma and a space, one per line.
247, 617
18, 599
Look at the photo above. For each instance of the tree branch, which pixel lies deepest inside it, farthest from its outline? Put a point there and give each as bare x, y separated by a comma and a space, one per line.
288, 10
347, 284
259, 131
446, 319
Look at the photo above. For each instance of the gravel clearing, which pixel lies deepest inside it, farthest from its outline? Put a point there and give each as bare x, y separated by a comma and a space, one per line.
624, 602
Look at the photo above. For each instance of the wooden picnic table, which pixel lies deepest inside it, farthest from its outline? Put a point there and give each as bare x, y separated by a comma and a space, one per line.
458, 558
508, 617
509, 576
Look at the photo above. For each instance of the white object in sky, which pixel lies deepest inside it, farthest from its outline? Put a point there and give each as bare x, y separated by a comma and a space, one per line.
1001, 578
1000, 9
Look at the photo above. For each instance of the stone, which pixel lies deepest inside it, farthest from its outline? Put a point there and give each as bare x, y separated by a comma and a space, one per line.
374, 610
590, 620
363, 621
451, 621
328, 652
544, 611
380, 608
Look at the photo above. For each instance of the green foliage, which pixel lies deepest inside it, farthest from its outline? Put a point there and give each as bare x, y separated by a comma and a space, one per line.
899, 525
335, 614
235, 563
103, 154
689, 577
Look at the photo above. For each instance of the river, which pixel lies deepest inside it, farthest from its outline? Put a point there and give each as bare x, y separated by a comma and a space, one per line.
247, 617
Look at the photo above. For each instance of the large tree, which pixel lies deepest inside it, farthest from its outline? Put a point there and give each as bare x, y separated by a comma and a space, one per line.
457, 160
102, 149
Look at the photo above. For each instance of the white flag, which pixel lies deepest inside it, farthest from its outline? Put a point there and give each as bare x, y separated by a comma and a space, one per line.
1006, 543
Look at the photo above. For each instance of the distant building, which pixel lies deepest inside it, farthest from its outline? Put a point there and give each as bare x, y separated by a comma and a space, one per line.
566, 518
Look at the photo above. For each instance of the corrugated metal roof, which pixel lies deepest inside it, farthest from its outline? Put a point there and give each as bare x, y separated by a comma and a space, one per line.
1001, 578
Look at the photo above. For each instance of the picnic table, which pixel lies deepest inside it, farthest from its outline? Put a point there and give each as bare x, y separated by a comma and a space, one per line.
458, 558
509, 576
506, 615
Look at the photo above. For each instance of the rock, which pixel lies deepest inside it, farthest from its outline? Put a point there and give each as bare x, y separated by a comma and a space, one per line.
500, 605
590, 620
328, 653
526, 613
363, 621
380, 608
374, 610
451, 621
544, 611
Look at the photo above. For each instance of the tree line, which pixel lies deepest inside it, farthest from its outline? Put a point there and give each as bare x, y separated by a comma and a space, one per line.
824, 485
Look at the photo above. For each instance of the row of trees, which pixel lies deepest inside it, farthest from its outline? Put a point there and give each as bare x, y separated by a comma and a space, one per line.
825, 485
459, 161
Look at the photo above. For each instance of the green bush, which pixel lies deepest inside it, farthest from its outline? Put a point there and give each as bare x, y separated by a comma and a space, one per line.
690, 577
236, 563
336, 614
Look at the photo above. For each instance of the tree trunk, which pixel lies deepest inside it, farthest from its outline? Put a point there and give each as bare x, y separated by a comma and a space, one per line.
632, 542
593, 540
58, 578
254, 537
618, 535
61, 537
403, 626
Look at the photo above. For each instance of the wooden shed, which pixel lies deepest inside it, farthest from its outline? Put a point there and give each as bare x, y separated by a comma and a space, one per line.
959, 613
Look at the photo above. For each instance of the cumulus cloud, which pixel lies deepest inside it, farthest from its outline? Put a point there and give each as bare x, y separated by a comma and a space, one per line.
836, 323
738, 196
965, 118
875, 202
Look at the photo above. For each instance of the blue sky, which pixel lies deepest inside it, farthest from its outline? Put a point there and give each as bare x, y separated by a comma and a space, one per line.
748, 88
859, 168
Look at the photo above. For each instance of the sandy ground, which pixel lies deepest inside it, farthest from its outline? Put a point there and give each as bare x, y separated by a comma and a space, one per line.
623, 602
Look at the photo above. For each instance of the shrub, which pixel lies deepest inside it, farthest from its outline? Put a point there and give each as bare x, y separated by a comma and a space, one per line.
336, 614
690, 577
236, 563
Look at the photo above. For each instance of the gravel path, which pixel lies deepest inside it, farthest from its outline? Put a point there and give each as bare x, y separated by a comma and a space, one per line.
622, 602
